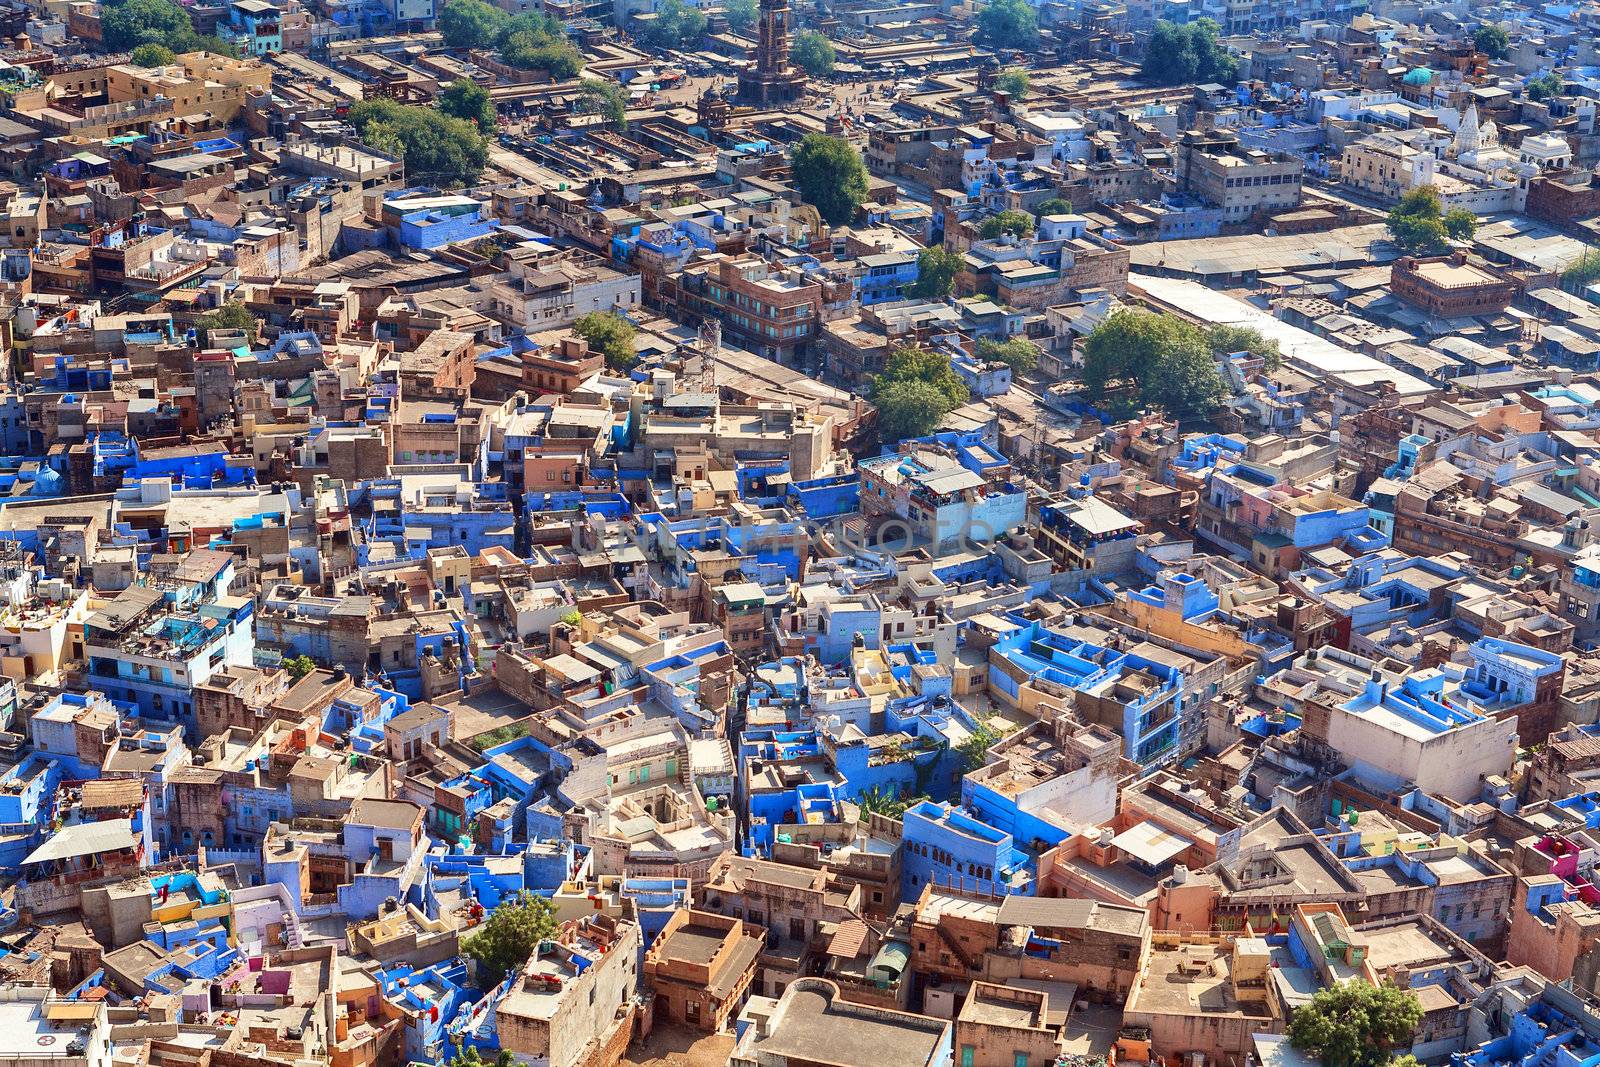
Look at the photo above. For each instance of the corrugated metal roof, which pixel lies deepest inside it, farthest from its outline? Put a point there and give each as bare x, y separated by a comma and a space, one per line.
85, 839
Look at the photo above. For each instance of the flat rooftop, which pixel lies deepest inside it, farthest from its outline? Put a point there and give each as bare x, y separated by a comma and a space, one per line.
25, 1030
815, 1029
1191, 979
1451, 275
991, 1009
693, 944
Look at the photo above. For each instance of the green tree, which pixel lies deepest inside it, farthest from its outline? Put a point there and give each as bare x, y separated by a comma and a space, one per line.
299, 666
528, 50
1165, 361
974, 750
438, 149
1185, 384
1019, 354
813, 53
573, 618
937, 268
1546, 86
510, 935
384, 138
464, 99
674, 26
600, 97
1460, 224
1354, 1024
1179, 55
207, 43
1492, 41
1581, 272
1119, 351
1015, 83
468, 1056
152, 55
829, 174
916, 390
1226, 340
530, 41
1419, 235
1054, 206
231, 316
741, 14
909, 409
472, 24
610, 334
1009, 24
1168, 57
887, 802
1016, 223
913, 363
1417, 223
131, 23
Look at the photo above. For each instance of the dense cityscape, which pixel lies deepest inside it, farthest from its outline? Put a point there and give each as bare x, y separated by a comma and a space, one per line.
799, 533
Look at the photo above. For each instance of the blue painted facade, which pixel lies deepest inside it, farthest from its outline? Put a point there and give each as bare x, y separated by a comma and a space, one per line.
1151, 723
885, 276
947, 846
155, 668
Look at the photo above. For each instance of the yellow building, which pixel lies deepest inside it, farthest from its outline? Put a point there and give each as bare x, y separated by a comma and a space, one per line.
199, 85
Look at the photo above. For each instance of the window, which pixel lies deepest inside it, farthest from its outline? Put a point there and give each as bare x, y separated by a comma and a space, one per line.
1019, 1059
967, 1054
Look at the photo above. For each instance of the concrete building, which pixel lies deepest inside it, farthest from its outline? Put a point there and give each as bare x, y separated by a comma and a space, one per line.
812, 1026
1000, 1026
151, 646
1088, 533
699, 970
546, 292
1449, 287
947, 496
1407, 732
1242, 182
569, 997
1205, 995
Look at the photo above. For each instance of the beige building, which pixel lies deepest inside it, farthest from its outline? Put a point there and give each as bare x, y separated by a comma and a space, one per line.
199, 84
1205, 994
568, 1001
1216, 169
1394, 733
1385, 165
700, 968
811, 1025
1002, 1026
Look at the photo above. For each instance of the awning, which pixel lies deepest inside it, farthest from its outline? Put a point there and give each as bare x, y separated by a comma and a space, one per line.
85, 839
71, 1010
1149, 843
891, 960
